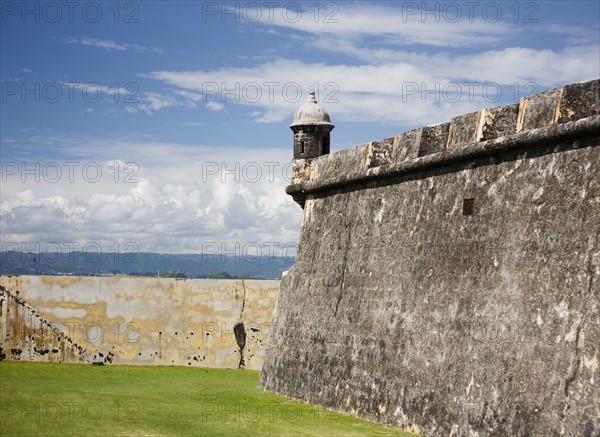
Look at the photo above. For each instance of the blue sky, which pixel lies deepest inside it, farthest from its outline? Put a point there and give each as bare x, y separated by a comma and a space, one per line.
165, 124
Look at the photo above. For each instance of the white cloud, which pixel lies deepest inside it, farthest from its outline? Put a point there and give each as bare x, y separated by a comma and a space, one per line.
215, 106
192, 124
95, 90
412, 89
163, 197
105, 44
110, 45
150, 101
194, 97
404, 25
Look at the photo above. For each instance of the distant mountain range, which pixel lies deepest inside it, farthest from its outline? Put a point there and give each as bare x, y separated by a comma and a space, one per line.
142, 264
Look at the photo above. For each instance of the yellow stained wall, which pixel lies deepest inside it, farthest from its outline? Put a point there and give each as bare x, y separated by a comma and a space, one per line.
136, 320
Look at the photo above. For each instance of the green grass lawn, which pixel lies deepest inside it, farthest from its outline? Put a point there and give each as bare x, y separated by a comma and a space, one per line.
48, 399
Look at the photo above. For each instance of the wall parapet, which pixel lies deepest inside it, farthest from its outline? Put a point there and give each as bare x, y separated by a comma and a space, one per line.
570, 111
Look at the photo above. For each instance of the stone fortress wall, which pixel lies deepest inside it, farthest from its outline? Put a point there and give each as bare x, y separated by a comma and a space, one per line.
136, 320
447, 280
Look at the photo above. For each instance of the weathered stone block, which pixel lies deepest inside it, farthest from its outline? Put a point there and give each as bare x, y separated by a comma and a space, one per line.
301, 170
406, 145
579, 100
498, 122
538, 110
434, 139
379, 152
340, 163
463, 130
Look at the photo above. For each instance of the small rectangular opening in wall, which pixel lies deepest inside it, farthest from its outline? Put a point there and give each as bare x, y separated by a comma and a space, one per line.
468, 206
301, 146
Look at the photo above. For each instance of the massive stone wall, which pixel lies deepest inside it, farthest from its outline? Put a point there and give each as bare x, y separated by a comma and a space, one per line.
135, 320
447, 279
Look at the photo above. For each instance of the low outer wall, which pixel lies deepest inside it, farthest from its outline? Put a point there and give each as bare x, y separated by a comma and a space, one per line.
134, 320
452, 288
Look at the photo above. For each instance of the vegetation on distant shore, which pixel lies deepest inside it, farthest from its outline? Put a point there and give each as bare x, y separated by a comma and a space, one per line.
177, 275
218, 275
225, 275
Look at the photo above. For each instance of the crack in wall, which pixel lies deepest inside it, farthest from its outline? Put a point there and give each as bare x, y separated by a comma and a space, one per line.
593, 239
589, 266
312, 262
345, 257
574, 368
243, 299
573, 371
